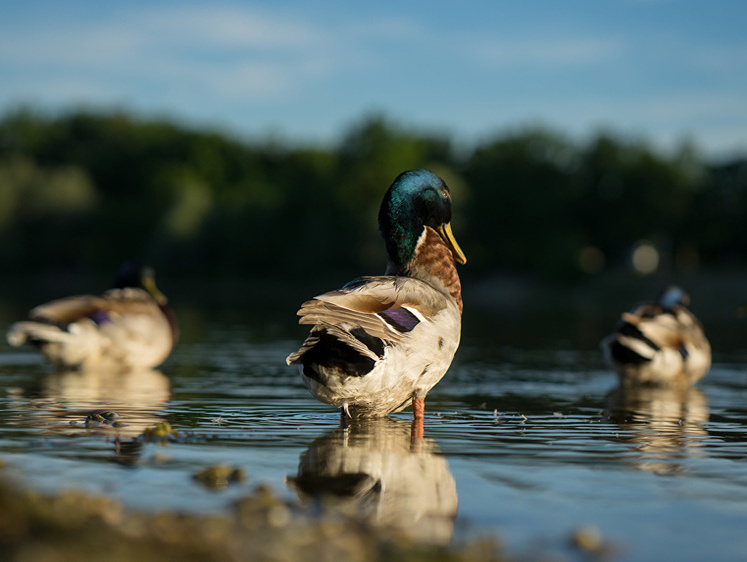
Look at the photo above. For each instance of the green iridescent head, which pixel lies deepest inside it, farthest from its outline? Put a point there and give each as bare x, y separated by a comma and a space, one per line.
416, 199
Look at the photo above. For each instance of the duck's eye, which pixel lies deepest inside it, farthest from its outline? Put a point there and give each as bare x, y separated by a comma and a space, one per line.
446, 195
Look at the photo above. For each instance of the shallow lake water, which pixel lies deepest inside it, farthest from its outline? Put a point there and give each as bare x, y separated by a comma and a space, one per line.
526, 438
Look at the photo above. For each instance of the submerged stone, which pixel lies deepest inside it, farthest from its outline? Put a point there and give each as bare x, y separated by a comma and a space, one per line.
220, 476
162, 431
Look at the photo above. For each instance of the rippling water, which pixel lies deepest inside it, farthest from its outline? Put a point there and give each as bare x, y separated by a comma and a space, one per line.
526, 438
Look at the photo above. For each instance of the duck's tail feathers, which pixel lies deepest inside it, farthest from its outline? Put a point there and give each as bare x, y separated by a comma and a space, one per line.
356, 339
625, 350
640, 347
36, 332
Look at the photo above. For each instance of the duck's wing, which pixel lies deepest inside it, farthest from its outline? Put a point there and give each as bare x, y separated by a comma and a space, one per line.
693, 335
100, 308
656, 327
67, 310
385, 307
370, 313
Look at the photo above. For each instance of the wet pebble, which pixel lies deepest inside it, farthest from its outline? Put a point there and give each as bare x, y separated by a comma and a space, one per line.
219, 477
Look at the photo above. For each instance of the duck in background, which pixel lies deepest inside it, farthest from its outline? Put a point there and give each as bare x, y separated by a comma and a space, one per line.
382, 342
659, 343
128, 327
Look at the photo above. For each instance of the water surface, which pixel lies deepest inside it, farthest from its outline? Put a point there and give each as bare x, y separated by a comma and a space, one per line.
526, 438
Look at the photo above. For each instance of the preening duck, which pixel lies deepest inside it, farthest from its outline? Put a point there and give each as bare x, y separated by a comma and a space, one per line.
382, 342
659, 343
129, 326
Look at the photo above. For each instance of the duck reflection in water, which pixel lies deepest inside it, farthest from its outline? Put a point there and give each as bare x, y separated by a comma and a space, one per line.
388, 474
664, 425
61, 401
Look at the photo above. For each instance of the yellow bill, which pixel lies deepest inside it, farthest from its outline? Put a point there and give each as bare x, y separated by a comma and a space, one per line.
448, 236
149, 284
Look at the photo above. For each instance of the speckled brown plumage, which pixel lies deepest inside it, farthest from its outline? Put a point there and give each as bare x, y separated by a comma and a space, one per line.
434, 263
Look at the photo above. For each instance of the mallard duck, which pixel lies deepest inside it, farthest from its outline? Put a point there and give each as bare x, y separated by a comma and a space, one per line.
383, 341
129, 326
659, 343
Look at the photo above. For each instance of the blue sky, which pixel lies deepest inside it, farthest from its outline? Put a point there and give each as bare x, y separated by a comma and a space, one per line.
662, 70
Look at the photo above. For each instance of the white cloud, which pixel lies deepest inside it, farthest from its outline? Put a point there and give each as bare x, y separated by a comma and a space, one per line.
693, 107
186, 32
233, 27
59, 90
71, 46
560, 52
391, 28
722, 59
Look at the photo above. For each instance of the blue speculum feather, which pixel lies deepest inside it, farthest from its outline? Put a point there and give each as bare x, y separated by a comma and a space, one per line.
100, 317
400, 319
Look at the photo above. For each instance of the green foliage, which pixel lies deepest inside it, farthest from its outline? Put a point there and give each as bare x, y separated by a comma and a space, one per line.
37, 205
522, 210
629, 193
92, 189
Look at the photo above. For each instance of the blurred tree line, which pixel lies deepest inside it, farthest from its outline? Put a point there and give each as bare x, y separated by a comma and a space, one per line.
87, 190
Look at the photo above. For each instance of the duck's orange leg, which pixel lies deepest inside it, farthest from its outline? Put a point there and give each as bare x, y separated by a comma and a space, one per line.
418, 408
418, 411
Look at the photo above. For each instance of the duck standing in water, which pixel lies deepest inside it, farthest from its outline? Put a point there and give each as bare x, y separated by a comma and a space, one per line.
382, 342
127, 327
659, 343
